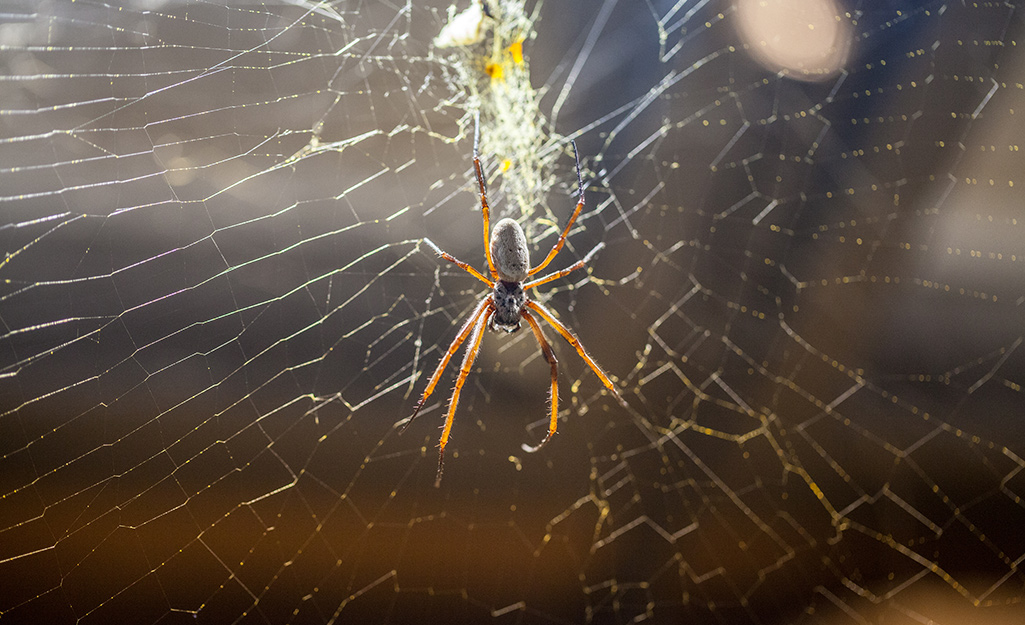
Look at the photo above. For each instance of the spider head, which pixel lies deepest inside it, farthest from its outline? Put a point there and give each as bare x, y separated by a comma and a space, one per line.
509, 299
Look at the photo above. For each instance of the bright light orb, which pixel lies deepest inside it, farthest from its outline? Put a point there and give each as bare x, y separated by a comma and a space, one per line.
802, 39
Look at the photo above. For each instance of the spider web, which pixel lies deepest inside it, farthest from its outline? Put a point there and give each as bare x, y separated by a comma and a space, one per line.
216, 307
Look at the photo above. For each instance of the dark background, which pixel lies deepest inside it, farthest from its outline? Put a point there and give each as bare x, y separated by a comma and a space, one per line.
213, 305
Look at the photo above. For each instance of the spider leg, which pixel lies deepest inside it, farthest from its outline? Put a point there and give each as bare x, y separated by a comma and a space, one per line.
455, 261
484, 208
568, 270
471, 355
575, 342
572, 219
452, 349
549, 355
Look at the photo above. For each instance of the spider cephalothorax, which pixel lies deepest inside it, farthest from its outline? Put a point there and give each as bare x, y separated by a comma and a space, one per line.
509, 299
506, 305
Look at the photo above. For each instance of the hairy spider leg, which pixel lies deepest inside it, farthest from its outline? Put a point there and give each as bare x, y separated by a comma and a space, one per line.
484, 208
572, 219
575, 342
568, 270
546, 350
471, 354
452, 349
455, 261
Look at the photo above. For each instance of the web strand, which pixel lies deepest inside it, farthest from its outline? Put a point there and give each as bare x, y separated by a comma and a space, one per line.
215, 305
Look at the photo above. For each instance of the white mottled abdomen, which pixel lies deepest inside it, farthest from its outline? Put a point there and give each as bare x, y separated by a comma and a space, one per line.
509, 251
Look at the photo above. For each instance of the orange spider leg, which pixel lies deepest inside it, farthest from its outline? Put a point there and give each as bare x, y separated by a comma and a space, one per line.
567, 270
572, 219
549, 355
471, 355
455, 261
575, 342
452, 349
484, 208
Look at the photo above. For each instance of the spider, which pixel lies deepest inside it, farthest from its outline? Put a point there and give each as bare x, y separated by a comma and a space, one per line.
506, 304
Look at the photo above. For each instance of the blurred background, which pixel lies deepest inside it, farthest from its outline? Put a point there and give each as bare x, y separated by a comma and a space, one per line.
216, 306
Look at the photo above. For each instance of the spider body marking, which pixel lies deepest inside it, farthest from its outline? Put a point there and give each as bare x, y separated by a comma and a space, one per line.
506, 305
511, 257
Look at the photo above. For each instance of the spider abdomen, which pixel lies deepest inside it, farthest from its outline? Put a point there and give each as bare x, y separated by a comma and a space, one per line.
509, 299
509, 251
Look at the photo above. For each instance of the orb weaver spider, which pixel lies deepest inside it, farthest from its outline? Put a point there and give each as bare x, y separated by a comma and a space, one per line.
506, 304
